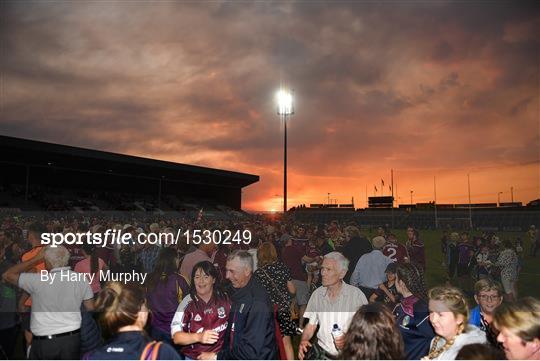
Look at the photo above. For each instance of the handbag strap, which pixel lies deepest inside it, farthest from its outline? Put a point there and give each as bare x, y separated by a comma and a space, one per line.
150, 351
179, 293
275, 286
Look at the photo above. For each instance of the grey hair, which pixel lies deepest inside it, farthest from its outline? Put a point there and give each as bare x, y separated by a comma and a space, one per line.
56, 256
340, 259
243, 256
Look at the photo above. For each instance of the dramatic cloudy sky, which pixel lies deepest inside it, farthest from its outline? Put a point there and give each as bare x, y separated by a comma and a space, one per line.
425, 88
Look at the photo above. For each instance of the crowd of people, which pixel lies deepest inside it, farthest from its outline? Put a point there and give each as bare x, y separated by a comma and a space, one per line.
327, 288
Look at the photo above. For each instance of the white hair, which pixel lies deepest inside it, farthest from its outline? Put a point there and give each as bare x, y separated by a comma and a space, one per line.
243, 256
56, 256
340, 259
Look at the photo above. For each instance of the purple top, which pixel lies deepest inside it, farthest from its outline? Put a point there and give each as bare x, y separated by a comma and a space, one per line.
164, 299
417, 254
464, 253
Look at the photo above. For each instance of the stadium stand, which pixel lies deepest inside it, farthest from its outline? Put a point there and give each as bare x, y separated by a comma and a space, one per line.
498, 218
39, 176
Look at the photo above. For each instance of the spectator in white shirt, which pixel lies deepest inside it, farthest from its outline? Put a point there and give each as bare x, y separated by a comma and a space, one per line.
56, 304
334, 303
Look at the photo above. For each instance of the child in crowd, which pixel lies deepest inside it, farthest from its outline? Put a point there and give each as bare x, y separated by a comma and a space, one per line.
483, 262
390, 298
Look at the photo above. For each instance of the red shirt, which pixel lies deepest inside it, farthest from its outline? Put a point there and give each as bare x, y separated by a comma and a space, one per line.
395, 251
196, 316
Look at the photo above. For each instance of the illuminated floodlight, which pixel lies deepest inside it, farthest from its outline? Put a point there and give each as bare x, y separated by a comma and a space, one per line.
284, 102
285, 108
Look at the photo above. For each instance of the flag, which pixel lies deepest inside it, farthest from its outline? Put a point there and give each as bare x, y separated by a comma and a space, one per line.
390, 188
382, 182
375, 188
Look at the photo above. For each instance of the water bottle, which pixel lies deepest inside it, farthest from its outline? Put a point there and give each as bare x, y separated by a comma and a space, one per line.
336, 331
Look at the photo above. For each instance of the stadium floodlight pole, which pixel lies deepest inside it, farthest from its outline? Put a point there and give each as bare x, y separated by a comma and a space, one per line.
512, 194
285, 108
470, 207
411, 198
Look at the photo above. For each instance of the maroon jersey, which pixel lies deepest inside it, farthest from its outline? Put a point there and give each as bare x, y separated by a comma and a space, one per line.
196, 316
417, 254
220, 260
395, 251
292, 258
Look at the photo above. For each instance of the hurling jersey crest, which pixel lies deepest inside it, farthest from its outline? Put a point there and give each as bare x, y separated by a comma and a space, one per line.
406, 320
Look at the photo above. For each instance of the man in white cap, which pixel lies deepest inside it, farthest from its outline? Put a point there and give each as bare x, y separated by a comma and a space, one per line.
369, 273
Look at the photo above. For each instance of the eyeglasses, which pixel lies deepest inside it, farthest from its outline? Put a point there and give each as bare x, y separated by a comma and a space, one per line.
489, 298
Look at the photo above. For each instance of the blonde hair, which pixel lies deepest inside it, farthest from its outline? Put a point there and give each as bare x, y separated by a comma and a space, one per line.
486, 285
266, 254
119, 304
453, 298
521, 317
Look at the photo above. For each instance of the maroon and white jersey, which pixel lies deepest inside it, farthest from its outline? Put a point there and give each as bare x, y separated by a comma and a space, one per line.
196, 316
395, 251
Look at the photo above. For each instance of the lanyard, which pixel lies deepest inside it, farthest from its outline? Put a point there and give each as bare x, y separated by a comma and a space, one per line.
232, 330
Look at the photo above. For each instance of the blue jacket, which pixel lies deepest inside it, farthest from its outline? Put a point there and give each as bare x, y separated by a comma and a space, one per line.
90, 332
129, 346
474, 317
250, 333
415, 328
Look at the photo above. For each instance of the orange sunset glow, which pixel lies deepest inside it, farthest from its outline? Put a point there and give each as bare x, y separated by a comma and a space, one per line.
440, 89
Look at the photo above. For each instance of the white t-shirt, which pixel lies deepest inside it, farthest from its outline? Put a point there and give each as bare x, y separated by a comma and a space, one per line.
320, 310
56, 307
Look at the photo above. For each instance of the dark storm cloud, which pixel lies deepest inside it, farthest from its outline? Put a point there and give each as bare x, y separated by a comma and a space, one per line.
391, 83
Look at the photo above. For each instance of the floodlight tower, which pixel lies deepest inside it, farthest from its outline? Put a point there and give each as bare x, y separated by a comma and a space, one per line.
285, 108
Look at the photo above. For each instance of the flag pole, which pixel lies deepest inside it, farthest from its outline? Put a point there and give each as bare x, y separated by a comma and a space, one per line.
470, 210
366, 197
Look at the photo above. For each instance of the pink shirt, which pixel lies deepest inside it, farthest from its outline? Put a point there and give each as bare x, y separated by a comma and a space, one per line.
84, 267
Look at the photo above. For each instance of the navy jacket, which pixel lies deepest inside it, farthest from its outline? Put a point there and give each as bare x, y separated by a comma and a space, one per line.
129, 346
90, 332
250, 334
416, 329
